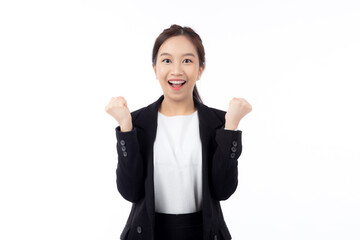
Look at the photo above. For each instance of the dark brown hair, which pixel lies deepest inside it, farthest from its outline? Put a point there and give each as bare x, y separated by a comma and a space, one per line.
176, 30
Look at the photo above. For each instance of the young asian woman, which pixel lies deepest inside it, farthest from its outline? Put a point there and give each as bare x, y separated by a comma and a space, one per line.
177, 157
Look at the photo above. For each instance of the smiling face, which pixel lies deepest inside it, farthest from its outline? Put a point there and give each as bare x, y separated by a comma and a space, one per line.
177, 68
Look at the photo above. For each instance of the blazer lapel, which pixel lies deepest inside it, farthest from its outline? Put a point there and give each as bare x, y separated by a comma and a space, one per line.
208, 122
146, 124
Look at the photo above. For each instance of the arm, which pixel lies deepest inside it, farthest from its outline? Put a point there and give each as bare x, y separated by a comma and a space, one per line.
130, 170
224, 171
130, 167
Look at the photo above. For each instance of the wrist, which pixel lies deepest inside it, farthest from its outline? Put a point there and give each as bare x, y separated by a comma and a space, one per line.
229, 126
126, 126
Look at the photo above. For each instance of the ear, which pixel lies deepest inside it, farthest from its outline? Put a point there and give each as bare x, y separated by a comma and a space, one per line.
201, 70
154, 67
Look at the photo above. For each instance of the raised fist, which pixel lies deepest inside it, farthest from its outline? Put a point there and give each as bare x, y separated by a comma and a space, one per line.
117, 107
238, 108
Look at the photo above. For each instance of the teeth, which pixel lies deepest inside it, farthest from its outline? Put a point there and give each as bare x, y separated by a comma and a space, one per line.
176, 82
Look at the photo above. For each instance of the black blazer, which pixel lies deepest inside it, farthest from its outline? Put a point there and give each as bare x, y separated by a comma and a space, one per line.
134, 174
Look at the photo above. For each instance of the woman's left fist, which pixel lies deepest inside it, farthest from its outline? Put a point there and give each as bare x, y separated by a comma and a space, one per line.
238, 108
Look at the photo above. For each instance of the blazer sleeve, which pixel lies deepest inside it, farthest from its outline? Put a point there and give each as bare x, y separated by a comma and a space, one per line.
224, 170
130, 167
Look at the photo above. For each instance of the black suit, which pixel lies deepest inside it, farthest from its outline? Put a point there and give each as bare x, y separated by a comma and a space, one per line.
135, 177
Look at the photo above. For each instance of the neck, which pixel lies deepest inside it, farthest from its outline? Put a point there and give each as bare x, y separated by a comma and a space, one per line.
170, 107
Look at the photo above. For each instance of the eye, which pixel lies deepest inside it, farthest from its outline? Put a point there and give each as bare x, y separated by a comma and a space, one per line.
166, 60
187, 61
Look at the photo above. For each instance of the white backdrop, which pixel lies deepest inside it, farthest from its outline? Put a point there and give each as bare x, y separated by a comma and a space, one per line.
296, 62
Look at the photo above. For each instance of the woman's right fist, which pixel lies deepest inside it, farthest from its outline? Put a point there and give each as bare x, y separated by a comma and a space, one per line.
117, 108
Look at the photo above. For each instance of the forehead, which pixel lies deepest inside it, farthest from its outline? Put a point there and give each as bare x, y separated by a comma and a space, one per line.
177, 46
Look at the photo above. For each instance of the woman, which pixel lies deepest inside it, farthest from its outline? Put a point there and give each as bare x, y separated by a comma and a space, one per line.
177, 158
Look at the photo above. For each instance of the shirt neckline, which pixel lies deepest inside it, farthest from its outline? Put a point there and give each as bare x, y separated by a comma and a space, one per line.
189, 115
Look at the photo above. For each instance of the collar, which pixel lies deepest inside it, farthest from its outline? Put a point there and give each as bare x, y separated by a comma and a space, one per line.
148, 117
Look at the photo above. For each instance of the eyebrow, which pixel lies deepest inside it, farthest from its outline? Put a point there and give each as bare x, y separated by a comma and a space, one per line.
168, 54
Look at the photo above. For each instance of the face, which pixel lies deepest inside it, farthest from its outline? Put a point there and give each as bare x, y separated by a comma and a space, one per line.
177, 68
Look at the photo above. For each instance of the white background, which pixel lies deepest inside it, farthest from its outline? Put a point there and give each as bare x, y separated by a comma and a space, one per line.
296, 62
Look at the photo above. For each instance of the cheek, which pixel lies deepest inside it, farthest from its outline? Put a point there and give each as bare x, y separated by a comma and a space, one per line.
194, 73
161, 72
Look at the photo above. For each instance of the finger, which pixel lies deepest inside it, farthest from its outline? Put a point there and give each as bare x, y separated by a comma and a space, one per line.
122, 99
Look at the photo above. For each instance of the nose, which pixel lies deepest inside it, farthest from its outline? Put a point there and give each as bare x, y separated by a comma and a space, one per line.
177, 69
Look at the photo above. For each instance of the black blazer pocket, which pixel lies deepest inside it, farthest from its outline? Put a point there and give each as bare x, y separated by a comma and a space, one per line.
125, 232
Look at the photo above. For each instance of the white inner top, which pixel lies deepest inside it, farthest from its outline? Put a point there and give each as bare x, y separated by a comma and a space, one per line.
178, 164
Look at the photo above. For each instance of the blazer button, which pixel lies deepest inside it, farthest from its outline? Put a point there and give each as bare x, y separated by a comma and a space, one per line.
139, 229
124, 154
234, 143
233, 149
232, 155
215, 237
123, 148
122, 142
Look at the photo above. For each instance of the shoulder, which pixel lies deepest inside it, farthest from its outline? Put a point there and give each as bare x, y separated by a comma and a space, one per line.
219, 113
136, 113
139, 112
147, 112
211, 114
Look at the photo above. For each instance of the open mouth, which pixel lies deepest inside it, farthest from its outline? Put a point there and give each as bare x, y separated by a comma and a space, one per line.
177, 84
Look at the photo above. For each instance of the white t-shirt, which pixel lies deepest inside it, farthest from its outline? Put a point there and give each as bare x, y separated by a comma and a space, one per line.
178, 164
